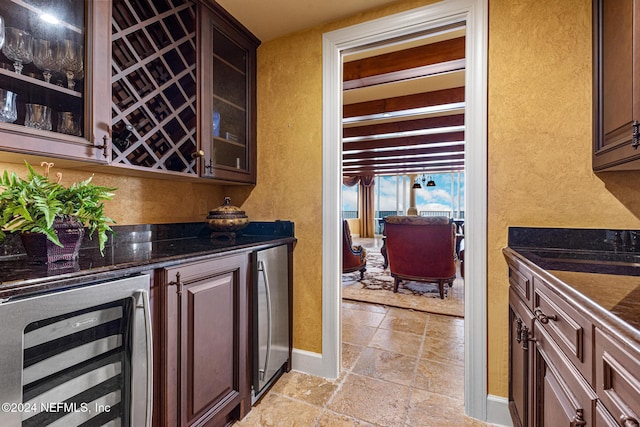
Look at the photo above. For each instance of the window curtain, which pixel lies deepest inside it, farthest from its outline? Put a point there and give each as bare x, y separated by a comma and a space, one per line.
365, 202
367, 225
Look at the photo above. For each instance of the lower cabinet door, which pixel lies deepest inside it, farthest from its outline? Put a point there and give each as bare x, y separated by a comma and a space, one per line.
562, 397
520, 350
207, 342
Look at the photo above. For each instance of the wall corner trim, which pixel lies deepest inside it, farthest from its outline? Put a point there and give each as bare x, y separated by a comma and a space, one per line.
307, 362
498, 411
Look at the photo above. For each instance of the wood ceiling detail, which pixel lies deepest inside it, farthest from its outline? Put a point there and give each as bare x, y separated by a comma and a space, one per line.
410, 133
444, 56
407, 102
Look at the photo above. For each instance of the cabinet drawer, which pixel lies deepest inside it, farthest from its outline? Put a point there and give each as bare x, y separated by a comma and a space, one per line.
561, 395
618, 378
571, 331
603, 418
521, 281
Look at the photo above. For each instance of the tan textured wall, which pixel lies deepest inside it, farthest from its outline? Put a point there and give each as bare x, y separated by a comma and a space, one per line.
540, 138
143, 200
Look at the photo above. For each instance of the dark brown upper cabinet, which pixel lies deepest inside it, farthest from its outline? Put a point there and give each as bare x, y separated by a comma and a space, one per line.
183, 90
616, 88
228, 97
54, 80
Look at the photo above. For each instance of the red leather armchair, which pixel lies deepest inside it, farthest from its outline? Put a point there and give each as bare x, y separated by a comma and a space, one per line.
353, 257
421, 249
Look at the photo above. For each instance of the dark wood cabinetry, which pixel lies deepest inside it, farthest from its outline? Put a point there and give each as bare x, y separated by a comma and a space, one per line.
564, 369
182, 84
154, 85
228, 97
54, 80
204, 370
184, 95
616, 86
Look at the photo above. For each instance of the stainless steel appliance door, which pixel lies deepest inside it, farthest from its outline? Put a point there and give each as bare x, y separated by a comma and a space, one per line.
65, 354
272, 328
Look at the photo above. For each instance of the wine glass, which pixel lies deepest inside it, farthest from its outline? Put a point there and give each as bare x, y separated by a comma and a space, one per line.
8, 110
45, 57
18, 47
1, 32
70, 59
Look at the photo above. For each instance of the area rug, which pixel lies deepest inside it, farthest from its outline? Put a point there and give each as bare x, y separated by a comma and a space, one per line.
377, 288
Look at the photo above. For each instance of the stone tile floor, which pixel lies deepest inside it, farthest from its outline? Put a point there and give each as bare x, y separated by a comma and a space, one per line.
399, 368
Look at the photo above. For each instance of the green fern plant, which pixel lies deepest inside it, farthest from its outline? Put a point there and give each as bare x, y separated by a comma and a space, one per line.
31, 205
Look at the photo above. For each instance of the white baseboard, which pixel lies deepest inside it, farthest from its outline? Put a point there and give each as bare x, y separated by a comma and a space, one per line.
498, 411
307, 362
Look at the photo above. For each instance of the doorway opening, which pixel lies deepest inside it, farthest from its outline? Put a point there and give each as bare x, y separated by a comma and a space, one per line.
474, 14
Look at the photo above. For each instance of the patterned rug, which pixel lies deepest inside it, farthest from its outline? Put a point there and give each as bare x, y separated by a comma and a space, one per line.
377, 288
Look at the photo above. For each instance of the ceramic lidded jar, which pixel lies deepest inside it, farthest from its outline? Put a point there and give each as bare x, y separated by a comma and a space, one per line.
227, 218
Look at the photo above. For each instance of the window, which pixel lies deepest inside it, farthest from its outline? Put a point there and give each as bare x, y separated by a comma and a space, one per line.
349, 201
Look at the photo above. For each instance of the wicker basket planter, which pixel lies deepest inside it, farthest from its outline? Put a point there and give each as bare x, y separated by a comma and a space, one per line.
70, 232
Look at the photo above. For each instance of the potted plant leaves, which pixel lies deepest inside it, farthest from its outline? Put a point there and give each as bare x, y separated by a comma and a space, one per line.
50, 217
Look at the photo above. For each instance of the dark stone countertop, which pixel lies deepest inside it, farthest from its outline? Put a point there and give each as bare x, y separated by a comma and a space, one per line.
131, 250
598, 270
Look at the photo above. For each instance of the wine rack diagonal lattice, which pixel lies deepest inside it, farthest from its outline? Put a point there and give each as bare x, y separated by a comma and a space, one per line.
154, 84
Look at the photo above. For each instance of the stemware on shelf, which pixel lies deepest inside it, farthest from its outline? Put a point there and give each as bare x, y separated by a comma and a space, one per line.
38, 116
18, 47
1, 32
69, 123
8, 110
45, 57
70, 59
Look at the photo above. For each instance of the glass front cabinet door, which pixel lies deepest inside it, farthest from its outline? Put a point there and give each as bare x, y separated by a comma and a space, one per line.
228, 98
54, 78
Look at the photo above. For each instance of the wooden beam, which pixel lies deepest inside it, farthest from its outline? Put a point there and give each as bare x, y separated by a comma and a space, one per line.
420, 56
403, 126
406, 141
413, 73
407, 102
391, 153
413, 159
389, 170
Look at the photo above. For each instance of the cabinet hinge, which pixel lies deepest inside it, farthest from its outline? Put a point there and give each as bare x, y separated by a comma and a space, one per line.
636, 134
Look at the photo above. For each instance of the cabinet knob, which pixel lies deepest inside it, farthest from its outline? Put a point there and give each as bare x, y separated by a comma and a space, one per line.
578, 420
197, 154
627, 421
543, 318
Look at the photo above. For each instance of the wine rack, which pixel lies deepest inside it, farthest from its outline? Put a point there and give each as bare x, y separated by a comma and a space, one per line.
154, 85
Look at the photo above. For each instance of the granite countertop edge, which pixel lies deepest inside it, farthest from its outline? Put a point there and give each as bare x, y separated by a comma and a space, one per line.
18, 277
599, 316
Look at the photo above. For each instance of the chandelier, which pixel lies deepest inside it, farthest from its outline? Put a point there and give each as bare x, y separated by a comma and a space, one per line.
422, 180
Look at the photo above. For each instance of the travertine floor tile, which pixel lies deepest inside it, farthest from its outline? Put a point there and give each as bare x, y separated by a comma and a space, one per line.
355, 305
400, 368
305, 387
275, 410
397, 342
445, 327
405, 321
443, 350
350, 354
385, 365
375, 401
431, 410
442, 378
331, 419
362, 317
357, 334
